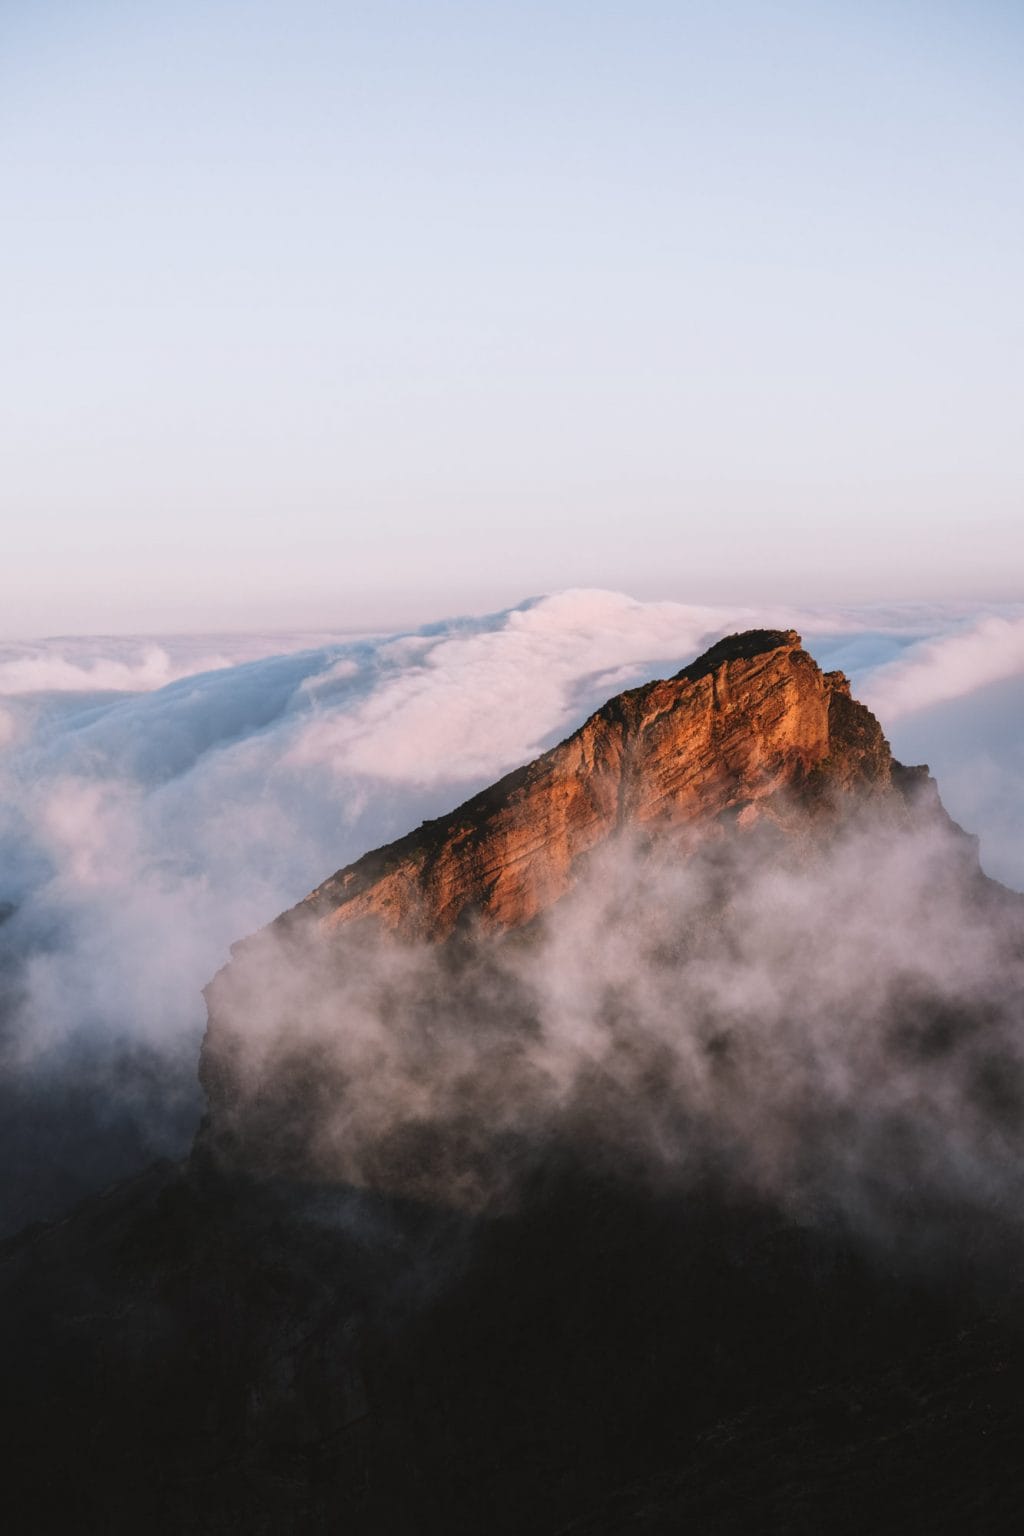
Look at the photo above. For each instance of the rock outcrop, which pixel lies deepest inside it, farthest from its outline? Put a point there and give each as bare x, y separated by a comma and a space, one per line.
368, 1036
742, 733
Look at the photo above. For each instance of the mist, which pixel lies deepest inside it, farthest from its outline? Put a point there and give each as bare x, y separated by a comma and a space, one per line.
832, 1022
161, 799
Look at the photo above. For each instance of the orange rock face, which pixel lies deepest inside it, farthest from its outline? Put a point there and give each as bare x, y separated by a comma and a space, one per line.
742, 732
320, 1059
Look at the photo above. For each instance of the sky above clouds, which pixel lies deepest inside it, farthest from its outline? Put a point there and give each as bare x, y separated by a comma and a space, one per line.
348, 315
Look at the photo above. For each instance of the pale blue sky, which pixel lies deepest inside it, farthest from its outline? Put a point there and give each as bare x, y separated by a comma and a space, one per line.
363, 313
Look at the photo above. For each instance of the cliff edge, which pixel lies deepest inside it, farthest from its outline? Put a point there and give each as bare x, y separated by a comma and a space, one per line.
744, 732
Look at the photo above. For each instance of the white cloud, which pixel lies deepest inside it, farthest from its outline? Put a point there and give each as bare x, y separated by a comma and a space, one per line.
101, 664
87, 827
225, 796
467, 706
947, 667
57, 672
763, 1035
141, 835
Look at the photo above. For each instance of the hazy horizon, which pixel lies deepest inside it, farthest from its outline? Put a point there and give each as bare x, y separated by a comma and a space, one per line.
335, 316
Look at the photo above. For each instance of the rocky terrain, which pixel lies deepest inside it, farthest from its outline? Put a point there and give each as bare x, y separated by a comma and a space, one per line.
747, 728
637, 1148
748, 760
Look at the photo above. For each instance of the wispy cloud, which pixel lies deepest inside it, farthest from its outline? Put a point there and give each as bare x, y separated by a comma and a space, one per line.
458, 707
110, 664
947, 667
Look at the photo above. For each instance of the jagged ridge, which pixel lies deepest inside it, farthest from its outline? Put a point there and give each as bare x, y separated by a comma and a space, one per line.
752, 720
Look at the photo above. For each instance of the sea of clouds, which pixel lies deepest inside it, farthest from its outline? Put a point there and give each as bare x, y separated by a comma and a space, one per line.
836, 1027
163, 797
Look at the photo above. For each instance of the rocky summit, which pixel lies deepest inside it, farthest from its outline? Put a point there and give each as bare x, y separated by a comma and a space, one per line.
750, 755
638, 1147
750, 728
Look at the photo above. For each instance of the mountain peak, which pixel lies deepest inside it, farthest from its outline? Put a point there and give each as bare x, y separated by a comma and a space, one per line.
752, 737
741, 733
743, 646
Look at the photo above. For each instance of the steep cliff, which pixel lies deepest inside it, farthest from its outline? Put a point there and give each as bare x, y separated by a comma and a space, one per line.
431, 1015
748, 729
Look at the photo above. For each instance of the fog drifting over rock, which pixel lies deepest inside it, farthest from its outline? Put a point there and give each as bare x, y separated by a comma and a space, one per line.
833, 1022
162, 798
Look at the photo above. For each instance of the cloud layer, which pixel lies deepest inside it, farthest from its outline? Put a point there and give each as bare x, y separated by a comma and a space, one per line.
837, 1026
143, 830
948, 667
104, 664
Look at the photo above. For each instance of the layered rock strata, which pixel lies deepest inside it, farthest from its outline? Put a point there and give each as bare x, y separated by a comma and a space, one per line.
741, 732
343, 1025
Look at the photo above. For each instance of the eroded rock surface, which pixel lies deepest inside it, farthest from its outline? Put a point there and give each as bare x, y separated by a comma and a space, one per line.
410, 1025
752, 722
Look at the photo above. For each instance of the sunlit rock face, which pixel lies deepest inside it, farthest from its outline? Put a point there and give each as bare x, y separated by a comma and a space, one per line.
720, 886
750, 725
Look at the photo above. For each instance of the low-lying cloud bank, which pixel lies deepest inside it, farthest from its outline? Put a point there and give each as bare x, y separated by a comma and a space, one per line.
104, 664
836, 1024
160, 799
948, 667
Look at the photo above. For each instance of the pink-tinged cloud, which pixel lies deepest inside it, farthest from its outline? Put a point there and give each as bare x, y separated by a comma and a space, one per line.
947, 667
